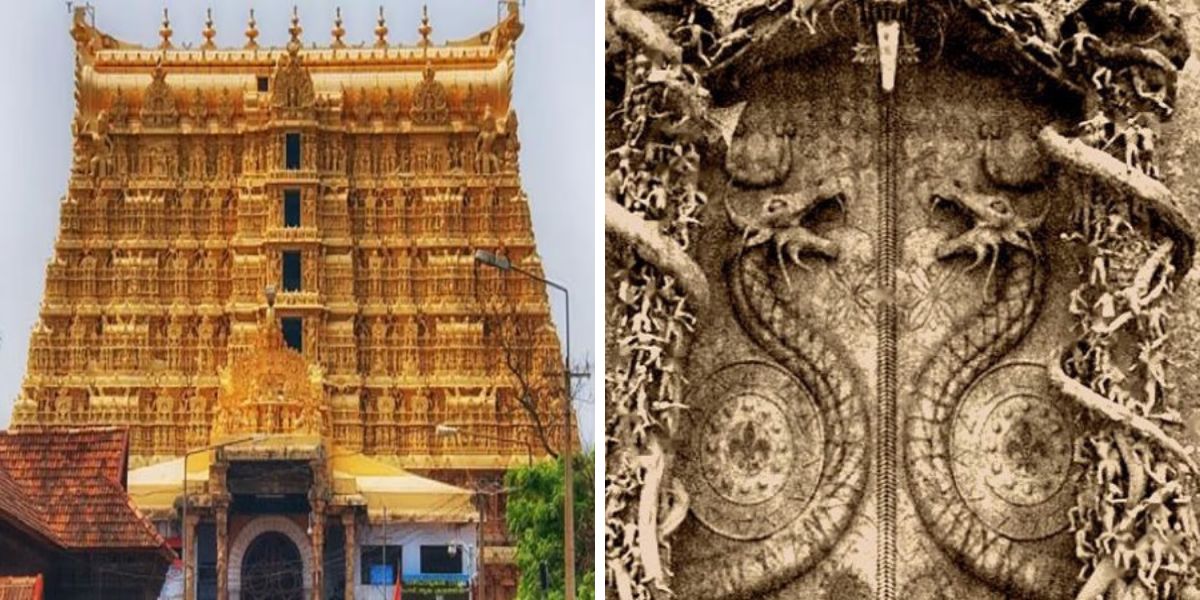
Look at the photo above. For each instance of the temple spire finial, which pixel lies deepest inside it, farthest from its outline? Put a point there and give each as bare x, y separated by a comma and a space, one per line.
425, 29
209, 33
295, 30
381, 31
338, 31
165, 32
252, 32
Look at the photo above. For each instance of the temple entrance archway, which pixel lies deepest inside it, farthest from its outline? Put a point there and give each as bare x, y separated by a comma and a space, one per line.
271, 559
272, 569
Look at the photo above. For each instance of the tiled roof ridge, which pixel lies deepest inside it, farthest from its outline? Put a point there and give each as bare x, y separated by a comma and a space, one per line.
145, 522
61, 476
39, 523
59, 438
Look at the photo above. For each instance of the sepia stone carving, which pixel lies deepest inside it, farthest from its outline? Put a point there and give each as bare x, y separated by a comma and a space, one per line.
937, 243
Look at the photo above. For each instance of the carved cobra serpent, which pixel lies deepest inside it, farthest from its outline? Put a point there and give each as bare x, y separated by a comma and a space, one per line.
1025, 568
824, 369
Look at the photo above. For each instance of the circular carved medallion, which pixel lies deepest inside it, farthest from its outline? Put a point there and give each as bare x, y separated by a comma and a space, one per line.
754, 454
1012, 452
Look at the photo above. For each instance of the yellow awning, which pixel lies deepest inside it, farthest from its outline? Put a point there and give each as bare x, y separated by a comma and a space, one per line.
154, 488
394, 494
391, 493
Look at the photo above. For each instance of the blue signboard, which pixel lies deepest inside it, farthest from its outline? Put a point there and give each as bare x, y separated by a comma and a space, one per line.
382, 575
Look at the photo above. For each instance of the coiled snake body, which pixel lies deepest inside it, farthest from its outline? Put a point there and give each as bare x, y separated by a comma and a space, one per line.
825, 371
1024, 568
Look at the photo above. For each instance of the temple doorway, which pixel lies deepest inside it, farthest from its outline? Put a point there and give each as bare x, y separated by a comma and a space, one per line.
272, 569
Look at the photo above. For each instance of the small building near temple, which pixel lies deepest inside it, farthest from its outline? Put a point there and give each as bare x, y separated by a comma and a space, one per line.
68, 527
265, 272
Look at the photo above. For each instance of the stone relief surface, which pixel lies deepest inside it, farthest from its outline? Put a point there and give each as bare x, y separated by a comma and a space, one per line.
899, 299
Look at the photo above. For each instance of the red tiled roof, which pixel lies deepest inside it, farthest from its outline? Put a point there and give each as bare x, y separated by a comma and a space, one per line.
16, 507
21, 588
73, 487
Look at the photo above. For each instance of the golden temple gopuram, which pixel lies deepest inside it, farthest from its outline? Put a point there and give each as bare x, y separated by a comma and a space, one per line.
264, 270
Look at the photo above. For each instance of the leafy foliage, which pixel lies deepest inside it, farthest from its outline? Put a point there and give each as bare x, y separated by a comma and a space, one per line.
535, 521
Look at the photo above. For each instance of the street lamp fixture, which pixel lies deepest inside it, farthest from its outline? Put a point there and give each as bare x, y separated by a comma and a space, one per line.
503, 263
492, 259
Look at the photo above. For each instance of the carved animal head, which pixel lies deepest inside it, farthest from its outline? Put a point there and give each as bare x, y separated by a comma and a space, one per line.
993, 223
780, 220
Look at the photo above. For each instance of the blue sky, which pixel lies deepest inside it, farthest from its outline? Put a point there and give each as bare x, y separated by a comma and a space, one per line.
554, 92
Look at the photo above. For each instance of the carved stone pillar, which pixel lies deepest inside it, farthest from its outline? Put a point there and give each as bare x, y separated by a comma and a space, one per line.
351, 553
221, 512
189, 556
317, 520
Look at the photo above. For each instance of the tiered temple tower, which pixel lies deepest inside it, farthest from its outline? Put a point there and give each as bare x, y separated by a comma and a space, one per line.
352, 184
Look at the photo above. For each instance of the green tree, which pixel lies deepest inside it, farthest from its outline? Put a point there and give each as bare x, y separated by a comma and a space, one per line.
535, 521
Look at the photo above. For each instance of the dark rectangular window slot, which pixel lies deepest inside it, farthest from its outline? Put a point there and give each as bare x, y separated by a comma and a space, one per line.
291, 271
264, 83
293, 332
380, 565
292, 151
291, 208
439, 559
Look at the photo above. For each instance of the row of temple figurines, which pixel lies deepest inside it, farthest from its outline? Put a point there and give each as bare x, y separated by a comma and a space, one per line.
223, 157
469, 406
271, 225
345, 360
428, 104
377, 439
422, 329
398, 219
149, 287
210, 276
434, 356
399, 261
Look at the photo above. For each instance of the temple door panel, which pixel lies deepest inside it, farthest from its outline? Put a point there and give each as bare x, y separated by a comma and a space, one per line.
872, 406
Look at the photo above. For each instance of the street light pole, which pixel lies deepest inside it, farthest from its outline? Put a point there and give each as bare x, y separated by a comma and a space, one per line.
184, 541
504, 264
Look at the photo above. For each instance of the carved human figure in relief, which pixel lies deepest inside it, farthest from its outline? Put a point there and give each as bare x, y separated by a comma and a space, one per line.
374, 272
486, 160
205, 335
179, 264
174, 333
62, 405
512, 145
1139, 146
385, 406
164, 406
211, 272
456, 154
102, 149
